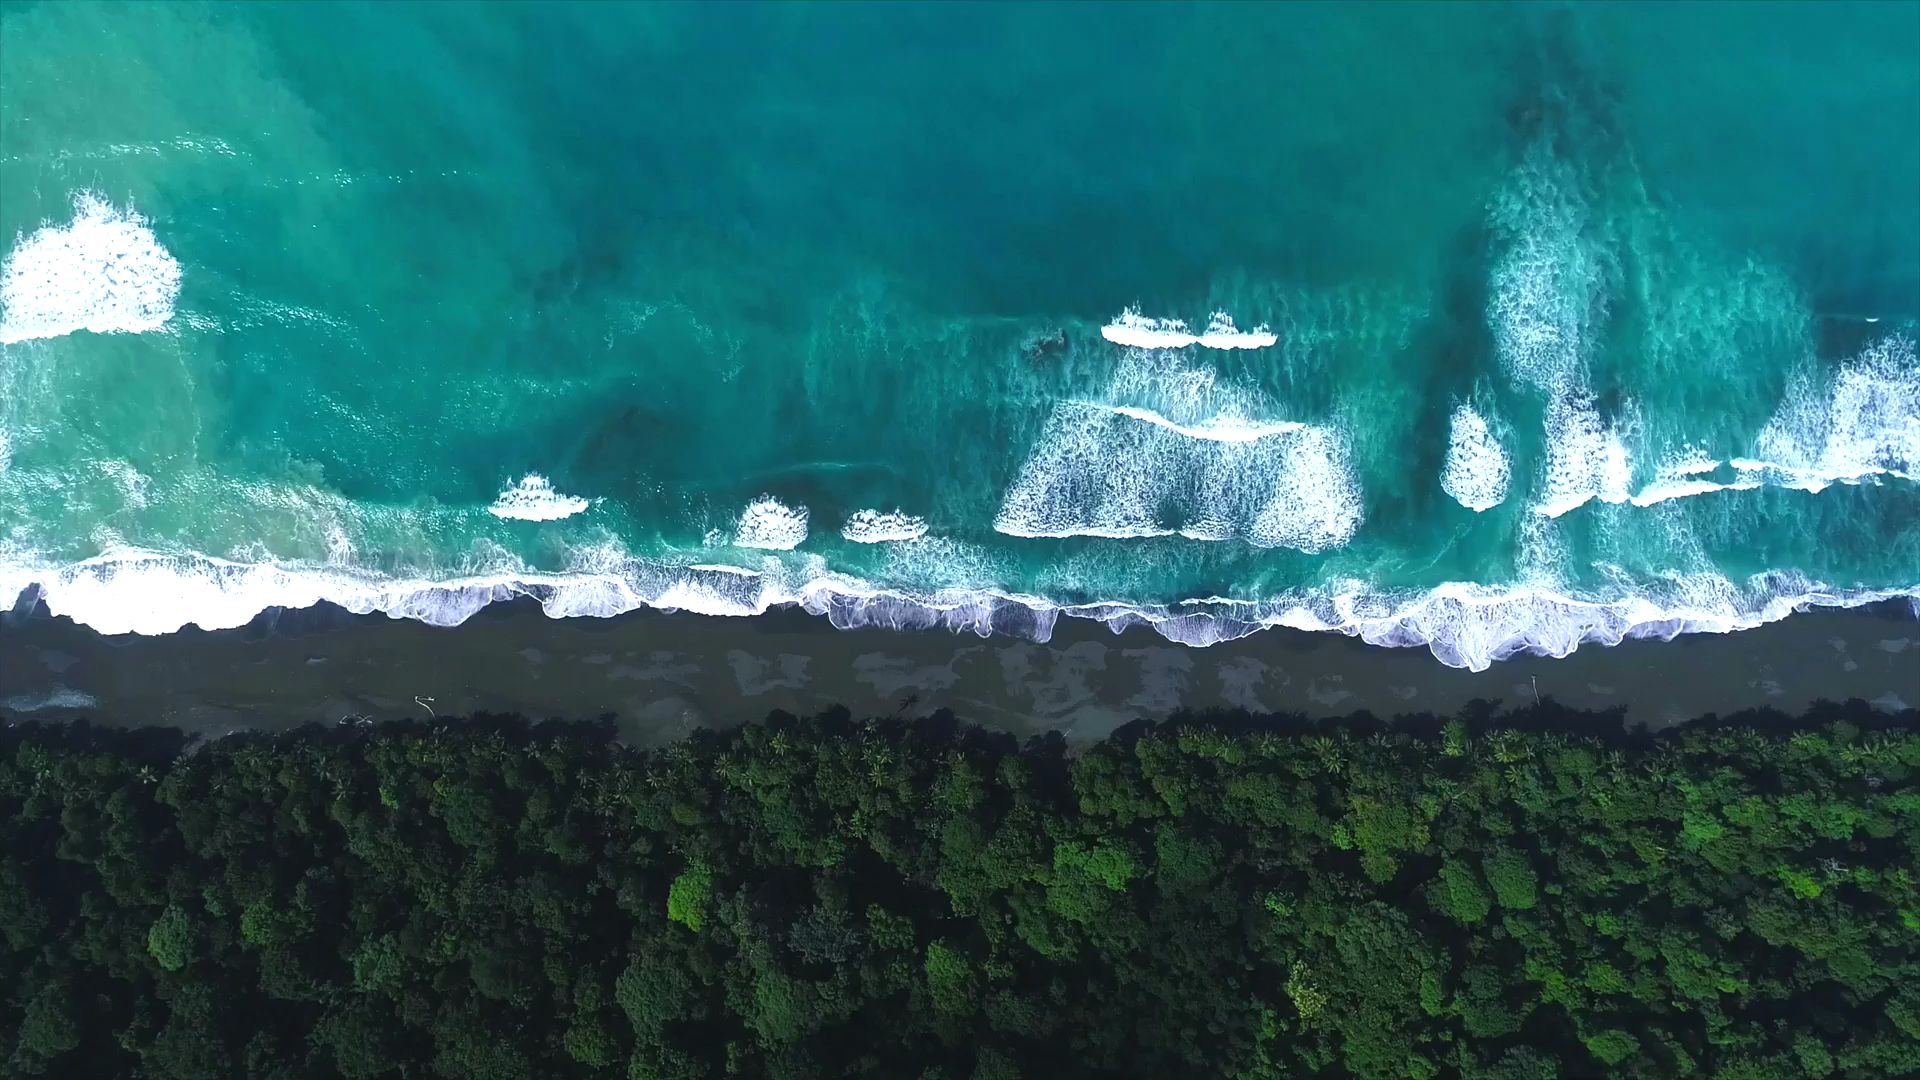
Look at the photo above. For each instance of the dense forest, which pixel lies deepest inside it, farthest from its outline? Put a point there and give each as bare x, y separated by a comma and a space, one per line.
1487, 897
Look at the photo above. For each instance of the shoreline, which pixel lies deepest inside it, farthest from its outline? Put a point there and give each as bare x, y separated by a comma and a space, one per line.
664, 674
1462, 624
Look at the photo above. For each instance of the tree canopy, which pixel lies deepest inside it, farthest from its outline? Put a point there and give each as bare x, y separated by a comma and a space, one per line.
1484, 898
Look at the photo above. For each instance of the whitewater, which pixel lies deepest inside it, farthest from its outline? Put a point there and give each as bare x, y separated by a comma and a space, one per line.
1480, 356
1464, 625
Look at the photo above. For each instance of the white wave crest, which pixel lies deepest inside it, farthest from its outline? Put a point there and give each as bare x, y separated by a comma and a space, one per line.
104, 271
1222, 334
1682, 476
769, 523
1464, 625
534, 499
1137, 331
1478, 468
1315, 503
1171, 450
59, 697
1102, 472
1222, 428
1586, 456
1859, 424
880, 527
1863, 422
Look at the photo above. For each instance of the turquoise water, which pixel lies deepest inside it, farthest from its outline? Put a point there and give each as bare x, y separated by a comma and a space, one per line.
1559, 323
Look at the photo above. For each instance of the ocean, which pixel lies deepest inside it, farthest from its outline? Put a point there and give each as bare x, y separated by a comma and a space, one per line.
1490, 329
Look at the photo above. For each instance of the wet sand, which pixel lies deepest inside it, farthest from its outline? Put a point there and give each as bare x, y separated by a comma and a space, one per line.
662, 675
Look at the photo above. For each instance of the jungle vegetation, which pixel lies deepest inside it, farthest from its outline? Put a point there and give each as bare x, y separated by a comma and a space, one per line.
1490, 896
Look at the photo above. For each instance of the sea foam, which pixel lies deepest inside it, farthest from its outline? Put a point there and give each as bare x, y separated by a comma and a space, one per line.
880, 527
534, 499
1547, 281
1862, 421
1856, 424
1586, 456
769, 523
1463, 625
724, 568
1222, 428
1173, 450
1478, 468
1547, 288
104, 271
1684, 475
1315, 501
1106, 473
1134, 330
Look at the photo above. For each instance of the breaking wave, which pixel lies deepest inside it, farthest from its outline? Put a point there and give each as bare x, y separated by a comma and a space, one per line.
1478, 468
1586, 455
1561, 258
1856, 426
1859, 423
1172, 451
878, 527
1226, 428
1547, 285
1864, 421
104, 271
1681, 476
1100, 472
534, 499
1137, 331
1463, 625
771, 524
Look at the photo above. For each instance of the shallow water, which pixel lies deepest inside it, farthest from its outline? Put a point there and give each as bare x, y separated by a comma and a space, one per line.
1488, 328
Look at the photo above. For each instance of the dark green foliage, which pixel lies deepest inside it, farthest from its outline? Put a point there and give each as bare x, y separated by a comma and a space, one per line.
809, 898
689, 895
1458, 892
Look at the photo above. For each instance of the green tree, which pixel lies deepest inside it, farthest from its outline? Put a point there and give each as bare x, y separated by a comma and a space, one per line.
358, 1035
588, 1041
1613, 1046
1514, 883
653, 991
377, 964
170, 939
48, 1027
689, 896
1459, 895
949, 979
483, 898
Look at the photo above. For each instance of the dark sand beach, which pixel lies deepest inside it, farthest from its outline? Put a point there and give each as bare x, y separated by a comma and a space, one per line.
665, 674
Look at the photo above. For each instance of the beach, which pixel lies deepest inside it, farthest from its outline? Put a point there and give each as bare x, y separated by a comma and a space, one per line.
662, 675
1481, 349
